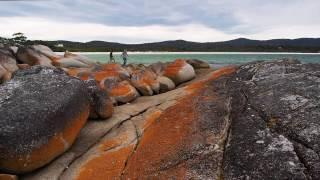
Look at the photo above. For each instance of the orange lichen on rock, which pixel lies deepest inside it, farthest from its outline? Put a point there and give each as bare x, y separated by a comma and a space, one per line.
55, 146
162, 143
99, 76
214, 75
147, 77
73, 72
173, 68
76, 72
110, 67
151, 118
114, 142
222, 72
121, 89
108, 165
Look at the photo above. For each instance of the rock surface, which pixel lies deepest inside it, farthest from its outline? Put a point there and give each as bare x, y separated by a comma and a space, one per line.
101, 103
257, 121
33, 56
8, 177
46, 51
179, 71
145, 81
166, 84
78, 57
8, 64
275, 132
41, 113
70, 62
198, 64
123, 92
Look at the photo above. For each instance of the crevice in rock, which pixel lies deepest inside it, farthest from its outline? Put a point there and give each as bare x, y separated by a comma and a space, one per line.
97, 142
133, 151
81, 154
306, 169
293, 140
225, 139
118, 125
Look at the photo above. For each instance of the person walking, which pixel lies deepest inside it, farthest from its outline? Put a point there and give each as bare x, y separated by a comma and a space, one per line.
124, 57
112, 60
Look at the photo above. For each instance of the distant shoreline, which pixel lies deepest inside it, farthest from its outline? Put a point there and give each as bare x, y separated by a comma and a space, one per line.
160, 52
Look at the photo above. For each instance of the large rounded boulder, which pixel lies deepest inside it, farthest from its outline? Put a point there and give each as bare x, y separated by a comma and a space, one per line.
70, 62
42, 110
45, 50
179, 71
166, 84
145, 81
121, 92
101, 72
8, 64
158, 67
79, 57
33, 56
198, 64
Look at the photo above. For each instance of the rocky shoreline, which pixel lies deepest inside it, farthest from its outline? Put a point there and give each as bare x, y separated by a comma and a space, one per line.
180, 120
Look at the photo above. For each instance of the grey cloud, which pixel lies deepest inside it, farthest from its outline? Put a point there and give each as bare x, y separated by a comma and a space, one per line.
230, 16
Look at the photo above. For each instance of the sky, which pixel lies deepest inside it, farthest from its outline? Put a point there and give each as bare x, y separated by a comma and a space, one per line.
138, 21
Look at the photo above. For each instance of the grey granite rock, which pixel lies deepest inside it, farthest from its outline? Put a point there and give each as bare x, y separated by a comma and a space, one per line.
37, 106
275, 131
101, 103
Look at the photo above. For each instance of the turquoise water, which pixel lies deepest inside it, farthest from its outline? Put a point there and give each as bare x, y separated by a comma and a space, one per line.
212, 58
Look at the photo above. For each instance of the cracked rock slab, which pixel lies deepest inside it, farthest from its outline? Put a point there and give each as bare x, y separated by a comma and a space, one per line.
275, 130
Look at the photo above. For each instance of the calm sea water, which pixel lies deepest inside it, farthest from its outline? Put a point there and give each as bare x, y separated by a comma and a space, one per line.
212, 58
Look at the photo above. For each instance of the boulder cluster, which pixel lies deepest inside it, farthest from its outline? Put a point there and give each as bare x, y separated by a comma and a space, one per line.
46, 99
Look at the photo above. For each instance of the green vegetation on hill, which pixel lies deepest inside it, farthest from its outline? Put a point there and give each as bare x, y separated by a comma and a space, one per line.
237, 45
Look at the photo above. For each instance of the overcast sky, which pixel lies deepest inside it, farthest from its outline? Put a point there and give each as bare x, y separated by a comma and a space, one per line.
136, 21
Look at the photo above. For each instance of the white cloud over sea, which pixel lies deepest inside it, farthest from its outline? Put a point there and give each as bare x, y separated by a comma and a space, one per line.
136, 21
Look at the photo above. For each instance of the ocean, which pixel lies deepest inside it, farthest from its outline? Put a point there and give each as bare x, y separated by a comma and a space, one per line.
217, 58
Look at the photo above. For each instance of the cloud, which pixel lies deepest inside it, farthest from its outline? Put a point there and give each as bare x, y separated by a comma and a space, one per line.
205, 20
41, 28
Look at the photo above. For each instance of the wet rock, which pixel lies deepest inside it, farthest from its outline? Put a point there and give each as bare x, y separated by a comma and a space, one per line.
101, 103
275, 130
8, 65
198, 64
179, 71
166, 84
145, 81
41, 113
33, 56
